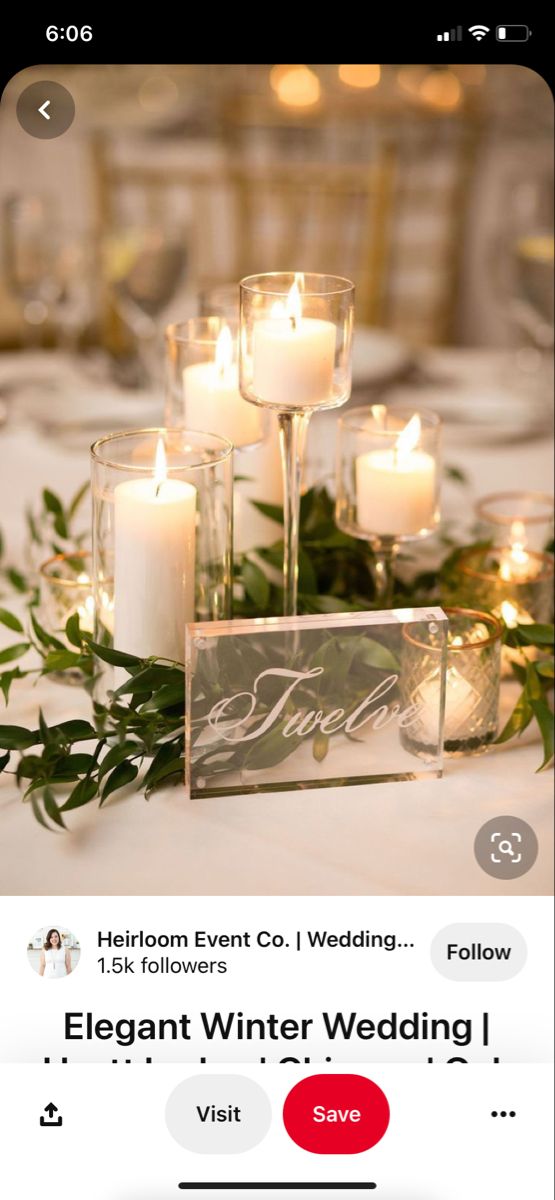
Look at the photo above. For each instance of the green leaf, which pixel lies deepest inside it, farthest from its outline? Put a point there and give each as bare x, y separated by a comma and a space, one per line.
37, 813
76, 731
166, 754
60, 660
518, 721
124, 773
455, 474
536, 635
115, 657
373, 654
73, 630
544, 717
60, 525
46, 639
173, 770
256, 584
51, 808
17, 580
52, 502
6, 680
15, 737
43, 729
546, 668
116, 755
320, 746
4, 760
168, 697
78, 764
13, 652
11, 621
273, 511
150, 680
82, 794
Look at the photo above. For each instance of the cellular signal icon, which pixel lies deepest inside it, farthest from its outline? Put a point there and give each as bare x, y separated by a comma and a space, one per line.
453, 35
478, 31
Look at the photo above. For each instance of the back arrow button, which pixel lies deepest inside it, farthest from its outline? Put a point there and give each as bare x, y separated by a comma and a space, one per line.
45, 118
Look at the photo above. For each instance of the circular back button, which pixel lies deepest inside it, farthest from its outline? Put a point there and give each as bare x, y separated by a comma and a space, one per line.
336, 1114
45, 109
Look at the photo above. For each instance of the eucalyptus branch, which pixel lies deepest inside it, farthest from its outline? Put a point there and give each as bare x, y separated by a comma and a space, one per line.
136, 739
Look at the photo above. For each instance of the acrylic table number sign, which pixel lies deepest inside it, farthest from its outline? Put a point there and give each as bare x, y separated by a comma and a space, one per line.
288, 703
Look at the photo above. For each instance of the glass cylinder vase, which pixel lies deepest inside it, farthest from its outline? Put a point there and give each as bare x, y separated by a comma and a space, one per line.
202, 381
162, 537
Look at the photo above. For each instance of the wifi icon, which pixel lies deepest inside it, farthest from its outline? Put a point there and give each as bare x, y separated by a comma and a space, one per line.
478, 31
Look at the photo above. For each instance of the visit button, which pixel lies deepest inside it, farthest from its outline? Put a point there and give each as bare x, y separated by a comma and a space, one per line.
336, 1114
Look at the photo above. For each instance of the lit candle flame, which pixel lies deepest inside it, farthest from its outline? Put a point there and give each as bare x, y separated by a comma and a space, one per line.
409, 437
294, 303
379, 413
160, 466
509, 614
224, 350
515, 563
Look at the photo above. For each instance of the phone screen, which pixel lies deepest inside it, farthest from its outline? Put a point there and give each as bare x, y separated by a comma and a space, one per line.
276, 612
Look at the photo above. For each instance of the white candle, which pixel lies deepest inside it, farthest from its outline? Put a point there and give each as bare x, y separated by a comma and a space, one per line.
396, 488
154, 573
516, 564
213, 401
460, 699
293, 357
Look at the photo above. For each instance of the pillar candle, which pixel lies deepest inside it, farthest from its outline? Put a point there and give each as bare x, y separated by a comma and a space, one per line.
396, 487
293, 357
154, 573
212, 399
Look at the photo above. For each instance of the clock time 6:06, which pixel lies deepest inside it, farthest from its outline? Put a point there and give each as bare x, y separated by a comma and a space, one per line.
72, 33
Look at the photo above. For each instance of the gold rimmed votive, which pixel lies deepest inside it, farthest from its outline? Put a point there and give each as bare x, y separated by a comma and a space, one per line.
469, 689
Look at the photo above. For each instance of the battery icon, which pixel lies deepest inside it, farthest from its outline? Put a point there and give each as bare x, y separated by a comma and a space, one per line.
512, 33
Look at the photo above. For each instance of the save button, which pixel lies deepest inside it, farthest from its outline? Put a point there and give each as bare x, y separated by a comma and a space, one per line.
336, 1114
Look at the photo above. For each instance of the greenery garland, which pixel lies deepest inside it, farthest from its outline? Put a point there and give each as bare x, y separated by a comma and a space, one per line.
138, 736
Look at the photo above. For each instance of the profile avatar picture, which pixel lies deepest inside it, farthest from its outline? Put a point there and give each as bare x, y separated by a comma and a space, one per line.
53, 952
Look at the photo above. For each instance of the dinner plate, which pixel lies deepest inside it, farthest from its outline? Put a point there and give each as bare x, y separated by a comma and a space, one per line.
377, 355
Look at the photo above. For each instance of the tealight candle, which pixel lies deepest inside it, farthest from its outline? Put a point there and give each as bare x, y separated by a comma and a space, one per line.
516, 564
396, 487
154, 555
460, 699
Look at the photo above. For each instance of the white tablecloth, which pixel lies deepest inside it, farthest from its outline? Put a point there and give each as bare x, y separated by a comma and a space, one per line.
396, 838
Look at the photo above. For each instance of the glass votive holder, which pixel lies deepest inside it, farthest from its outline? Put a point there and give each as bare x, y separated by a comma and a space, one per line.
202, 381
512, 582
521, 517
221, 300
66, 588
296, 339
162, 537
471, 682
388, 481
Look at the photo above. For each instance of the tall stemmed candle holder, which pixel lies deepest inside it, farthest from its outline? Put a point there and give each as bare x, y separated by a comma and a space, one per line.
295, 358
162, 537
388, 482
